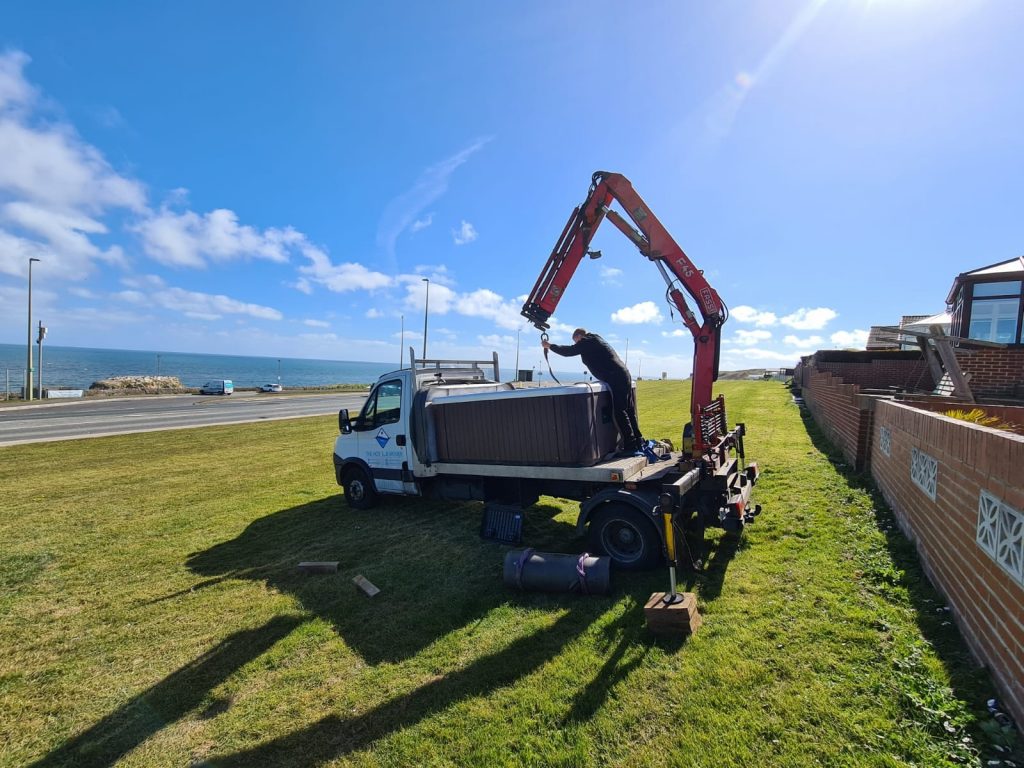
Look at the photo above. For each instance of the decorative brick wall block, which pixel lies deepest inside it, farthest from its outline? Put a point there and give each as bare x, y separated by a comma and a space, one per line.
924, 472
885, 441
1001, 534
957, 490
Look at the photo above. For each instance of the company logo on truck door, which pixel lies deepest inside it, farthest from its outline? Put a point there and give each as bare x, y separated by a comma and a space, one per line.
382, 437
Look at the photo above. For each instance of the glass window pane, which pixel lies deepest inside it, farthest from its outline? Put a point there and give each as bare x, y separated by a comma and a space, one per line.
995, 320
1005, 330
389, 402
1006, 288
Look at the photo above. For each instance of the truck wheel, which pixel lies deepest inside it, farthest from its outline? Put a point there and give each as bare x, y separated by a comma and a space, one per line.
358, 488
626, 536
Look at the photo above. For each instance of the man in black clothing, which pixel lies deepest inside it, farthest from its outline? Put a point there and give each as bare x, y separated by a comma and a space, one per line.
601, 360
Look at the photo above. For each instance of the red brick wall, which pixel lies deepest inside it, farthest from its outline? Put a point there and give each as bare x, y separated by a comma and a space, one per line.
994, 372
838, 410
987, 602
882, 373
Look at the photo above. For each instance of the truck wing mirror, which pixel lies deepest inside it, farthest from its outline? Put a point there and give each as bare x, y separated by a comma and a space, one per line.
344, 424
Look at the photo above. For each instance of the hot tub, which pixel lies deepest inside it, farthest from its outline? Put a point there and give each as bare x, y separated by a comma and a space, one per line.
565, 426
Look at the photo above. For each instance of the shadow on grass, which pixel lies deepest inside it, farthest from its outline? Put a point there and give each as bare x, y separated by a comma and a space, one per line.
969, 682
144, 715
436, 577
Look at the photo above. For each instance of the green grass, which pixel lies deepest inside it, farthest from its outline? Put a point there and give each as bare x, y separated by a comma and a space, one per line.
151, 613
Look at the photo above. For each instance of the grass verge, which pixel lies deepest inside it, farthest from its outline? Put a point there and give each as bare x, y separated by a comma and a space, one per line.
151, 614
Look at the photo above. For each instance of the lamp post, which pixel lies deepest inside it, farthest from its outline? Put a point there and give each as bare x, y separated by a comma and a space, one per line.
401, 346
39, 341
279, 370
426, 312
518, 331
28, 373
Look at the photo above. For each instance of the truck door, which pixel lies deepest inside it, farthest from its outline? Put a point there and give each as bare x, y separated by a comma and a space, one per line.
383, 436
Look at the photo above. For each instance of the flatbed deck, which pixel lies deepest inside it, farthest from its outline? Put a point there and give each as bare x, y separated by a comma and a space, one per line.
632, 469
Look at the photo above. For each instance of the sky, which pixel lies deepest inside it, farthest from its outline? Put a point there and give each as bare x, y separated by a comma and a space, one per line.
278, 179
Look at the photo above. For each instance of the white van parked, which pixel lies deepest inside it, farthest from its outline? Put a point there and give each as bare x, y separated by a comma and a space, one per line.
217, 387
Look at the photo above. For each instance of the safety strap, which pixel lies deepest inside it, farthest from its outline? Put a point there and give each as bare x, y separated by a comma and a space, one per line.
520, 564
581, 572
544, 337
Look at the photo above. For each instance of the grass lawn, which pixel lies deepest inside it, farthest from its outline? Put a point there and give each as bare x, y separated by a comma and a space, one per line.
151, 614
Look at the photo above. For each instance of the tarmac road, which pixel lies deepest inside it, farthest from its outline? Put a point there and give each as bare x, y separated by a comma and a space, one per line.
79, 419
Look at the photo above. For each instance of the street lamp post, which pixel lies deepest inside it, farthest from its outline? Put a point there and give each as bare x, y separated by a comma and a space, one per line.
28, 373
401, 346
518, 331
39, 341
426, 313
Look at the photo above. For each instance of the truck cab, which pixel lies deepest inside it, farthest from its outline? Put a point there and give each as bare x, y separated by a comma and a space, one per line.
374, 452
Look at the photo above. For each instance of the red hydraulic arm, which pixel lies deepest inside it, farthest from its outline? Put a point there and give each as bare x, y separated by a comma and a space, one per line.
655, 243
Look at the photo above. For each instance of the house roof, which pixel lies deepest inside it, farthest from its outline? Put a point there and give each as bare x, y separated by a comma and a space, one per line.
1009, 268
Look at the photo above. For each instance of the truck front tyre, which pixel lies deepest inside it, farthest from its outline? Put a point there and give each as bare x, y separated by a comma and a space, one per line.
626, 536
358, 489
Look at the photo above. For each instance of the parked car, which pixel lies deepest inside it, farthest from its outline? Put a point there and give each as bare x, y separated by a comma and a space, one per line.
271, 388
217, 387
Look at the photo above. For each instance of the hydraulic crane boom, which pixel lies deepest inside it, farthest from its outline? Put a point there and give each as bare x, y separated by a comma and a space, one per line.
656, 244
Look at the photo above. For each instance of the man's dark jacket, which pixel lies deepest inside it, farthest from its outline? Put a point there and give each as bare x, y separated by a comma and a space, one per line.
598, 357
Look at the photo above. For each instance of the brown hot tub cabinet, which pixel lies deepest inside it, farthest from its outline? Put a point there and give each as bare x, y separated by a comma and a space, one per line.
566, 426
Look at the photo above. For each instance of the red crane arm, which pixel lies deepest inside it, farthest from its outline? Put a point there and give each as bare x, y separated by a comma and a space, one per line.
656, 244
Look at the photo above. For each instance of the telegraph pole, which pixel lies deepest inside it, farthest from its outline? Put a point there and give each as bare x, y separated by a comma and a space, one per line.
28, 365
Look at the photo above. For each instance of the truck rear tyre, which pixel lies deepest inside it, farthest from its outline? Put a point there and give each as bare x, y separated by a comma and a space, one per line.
358, 488
626, 536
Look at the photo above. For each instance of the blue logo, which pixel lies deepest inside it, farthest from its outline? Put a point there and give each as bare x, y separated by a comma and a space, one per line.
382, 437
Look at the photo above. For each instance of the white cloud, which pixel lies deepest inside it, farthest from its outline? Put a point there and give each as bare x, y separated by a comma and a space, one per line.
496, 340
750, 338
402, 212
316, 323
14, 89
856, 338
675, 333
610, 275
339, 278
441, 296
738, 357
811, 342
644, 312
423, 223
810, 319
466, 233
745, 314
195, 305
374, 313
54, 186
488, 304
210, 306
188, 239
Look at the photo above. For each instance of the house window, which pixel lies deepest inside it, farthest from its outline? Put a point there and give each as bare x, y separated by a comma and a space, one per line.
995, 312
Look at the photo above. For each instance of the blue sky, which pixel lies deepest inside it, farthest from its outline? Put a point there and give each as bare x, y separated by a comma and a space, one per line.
277, 179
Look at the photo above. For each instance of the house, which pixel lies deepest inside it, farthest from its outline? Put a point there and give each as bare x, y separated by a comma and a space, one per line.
986, 303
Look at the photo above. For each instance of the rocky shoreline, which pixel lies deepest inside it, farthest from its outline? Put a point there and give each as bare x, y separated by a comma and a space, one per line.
147, 385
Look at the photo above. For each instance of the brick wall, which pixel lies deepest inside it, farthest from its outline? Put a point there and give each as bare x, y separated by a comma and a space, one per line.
882, 373
994, 372
970, 532
840, 410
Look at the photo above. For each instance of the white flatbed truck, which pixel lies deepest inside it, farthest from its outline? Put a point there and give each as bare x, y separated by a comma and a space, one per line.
385, 450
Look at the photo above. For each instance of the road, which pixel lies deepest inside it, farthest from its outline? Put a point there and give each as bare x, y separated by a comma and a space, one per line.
50, 421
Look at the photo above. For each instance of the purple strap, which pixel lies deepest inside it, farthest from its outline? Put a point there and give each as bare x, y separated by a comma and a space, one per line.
581, 571
526, 555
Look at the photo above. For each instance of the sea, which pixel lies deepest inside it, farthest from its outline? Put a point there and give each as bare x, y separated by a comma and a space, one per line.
79, 367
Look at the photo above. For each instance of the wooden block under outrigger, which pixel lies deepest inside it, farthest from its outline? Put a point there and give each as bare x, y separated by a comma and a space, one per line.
675, 618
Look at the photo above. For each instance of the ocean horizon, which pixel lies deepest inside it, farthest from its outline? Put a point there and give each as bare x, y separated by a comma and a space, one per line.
79, 367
